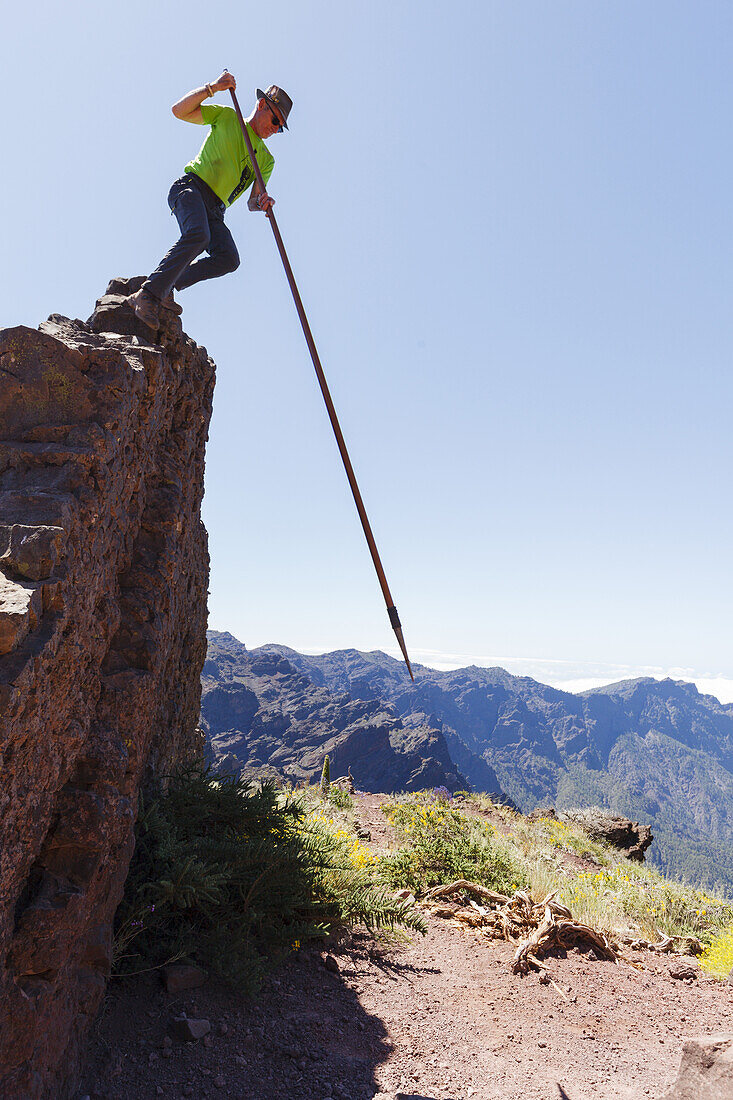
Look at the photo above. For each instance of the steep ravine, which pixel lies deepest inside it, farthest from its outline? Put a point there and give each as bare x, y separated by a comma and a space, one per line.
262, 715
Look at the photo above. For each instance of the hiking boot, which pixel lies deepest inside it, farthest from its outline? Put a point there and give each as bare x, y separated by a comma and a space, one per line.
146, 307
171, 305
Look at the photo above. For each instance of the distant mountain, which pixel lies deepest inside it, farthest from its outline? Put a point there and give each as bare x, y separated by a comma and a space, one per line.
262, 714
656, 751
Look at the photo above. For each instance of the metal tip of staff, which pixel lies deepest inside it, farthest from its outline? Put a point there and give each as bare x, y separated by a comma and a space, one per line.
403, 647
396, 625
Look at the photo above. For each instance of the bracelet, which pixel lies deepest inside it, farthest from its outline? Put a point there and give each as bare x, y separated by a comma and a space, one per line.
208, 89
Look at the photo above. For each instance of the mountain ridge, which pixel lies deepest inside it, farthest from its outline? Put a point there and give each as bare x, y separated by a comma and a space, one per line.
263, 715
658, 751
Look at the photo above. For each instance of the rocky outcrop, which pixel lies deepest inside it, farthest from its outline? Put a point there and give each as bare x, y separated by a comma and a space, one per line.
103, 581
629, 837
262, 716
706, 1070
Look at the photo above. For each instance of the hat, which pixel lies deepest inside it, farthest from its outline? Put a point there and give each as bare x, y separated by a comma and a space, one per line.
279, 99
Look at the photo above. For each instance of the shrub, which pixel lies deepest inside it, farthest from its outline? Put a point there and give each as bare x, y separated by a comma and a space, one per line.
614, 896
234, 875
574, 839
440, 845
717, 959
339, 798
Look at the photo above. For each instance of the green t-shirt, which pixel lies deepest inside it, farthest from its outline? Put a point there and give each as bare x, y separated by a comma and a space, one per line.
223, 161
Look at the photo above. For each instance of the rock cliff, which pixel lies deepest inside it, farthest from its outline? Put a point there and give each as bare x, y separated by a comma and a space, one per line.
103, 583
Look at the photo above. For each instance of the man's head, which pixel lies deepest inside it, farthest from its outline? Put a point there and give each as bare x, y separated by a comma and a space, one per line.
271, 113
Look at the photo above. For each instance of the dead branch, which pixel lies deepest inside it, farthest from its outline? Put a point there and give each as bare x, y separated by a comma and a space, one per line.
564, 932
470, 888
665, 944
688, 945
539, 927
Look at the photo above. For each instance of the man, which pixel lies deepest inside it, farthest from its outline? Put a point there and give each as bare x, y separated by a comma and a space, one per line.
212, 181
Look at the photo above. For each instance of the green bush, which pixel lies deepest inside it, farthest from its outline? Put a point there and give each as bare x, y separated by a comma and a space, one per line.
339, 798
235, 876
440, 845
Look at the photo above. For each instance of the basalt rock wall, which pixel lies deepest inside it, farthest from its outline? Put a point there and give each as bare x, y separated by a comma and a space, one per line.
103, 585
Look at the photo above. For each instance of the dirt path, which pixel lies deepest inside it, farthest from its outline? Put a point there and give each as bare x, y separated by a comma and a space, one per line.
442, 1019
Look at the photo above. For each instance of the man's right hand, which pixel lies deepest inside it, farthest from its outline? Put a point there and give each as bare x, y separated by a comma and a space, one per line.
188, 109
225, 82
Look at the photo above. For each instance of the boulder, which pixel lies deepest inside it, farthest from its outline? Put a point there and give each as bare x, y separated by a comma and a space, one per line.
543, 812
179, 977
706, 1070
629, 837
682, 971
331, 964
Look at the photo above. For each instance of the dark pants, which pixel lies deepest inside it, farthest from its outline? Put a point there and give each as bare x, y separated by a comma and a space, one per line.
200, 216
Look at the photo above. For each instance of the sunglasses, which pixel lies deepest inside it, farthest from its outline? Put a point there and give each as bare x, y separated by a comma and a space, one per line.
277, 122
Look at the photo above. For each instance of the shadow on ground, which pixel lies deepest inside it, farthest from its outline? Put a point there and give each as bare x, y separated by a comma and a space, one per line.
304, 1036
418, 1096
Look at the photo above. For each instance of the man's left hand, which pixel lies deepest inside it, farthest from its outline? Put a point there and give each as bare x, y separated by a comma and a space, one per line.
265, 201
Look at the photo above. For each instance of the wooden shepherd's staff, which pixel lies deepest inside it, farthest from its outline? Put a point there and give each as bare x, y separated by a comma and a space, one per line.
391, 609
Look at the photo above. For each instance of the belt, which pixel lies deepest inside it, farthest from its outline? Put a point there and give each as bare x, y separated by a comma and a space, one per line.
208, 193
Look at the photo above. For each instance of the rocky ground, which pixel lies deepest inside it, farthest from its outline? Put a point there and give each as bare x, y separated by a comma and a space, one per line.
441, 1018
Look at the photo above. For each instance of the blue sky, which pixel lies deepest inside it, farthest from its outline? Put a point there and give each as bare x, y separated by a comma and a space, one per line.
511, 227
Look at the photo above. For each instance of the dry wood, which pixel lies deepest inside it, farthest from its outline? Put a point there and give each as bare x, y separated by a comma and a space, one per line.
343, 781
558, 933
688, 945
665, 944
470, 888
446, 911
539, 927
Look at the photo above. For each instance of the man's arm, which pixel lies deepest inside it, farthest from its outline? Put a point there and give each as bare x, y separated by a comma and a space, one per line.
188, 109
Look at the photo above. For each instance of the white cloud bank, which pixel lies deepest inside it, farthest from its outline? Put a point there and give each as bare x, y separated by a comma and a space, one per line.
572, 676
575, 676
